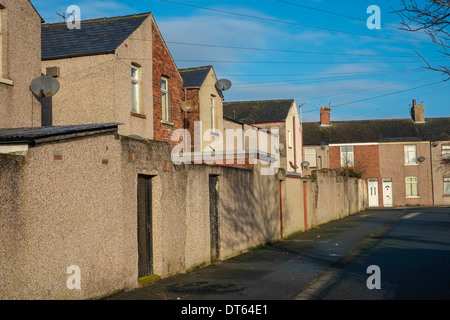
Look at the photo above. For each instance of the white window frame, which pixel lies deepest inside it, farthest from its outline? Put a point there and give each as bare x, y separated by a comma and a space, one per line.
165, 115
135, 89
289, 139
311, 156
446, 186
213, 114
410, 154
410, 182
347, 156
446, 152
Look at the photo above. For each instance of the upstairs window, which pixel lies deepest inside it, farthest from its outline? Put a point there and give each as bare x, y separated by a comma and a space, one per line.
289, 139
165, 99
213, 114
446, 152
410, 154
347, 156
135, 89
311, 157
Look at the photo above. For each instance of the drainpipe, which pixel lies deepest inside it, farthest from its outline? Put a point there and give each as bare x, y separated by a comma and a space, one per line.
281, 212
305, 207
431, 172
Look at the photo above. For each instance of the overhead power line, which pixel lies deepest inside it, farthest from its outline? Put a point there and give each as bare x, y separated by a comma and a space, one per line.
393, 71
292, 23
288, 51
376, 97
334, 13
297, 62
325, 79
392, 104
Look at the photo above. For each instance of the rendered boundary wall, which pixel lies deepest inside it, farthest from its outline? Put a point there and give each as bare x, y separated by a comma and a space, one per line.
74, 203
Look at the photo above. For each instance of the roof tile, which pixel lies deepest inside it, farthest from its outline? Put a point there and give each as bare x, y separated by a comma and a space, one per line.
96, 36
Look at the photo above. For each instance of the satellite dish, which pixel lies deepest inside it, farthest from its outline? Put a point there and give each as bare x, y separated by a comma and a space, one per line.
281, 174
45, 86
188, 106
223, 84
305, 165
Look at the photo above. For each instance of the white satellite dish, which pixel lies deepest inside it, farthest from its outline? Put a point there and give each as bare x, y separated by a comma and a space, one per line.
45, 86
223, 84
189, 106
305, 165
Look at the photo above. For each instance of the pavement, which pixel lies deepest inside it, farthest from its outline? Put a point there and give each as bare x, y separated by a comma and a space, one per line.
290, 269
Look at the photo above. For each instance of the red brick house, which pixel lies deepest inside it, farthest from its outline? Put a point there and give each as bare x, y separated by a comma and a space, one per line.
397, 157
204, 102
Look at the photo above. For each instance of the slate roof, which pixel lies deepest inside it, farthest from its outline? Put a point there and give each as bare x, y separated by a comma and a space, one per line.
194, 77
261, 111
35, 135
394, 130
97, 36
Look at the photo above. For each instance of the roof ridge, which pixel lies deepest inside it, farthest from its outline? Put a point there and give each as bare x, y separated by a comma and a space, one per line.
373, 120
194, 69
131, 16
266, 100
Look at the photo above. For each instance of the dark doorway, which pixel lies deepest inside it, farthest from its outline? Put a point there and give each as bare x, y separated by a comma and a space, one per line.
214, 216
144, 208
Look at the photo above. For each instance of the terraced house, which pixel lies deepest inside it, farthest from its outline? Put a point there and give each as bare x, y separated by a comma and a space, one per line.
404, 161
115, 69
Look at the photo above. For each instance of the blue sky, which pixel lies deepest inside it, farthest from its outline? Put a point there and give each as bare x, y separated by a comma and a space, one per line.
318, 52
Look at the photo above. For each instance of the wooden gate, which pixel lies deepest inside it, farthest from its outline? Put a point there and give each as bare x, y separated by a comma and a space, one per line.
214, 216
144, 208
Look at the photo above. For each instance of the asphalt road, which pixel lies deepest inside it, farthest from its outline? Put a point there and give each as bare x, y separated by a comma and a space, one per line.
409, 245
412, 257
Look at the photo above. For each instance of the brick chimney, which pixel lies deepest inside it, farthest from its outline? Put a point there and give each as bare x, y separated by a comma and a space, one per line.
417, 112
325, 116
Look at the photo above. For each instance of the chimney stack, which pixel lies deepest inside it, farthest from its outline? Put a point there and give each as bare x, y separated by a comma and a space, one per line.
417, 112
325, 116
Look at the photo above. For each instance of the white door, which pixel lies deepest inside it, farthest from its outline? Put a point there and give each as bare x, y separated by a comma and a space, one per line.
373, 192
387, 193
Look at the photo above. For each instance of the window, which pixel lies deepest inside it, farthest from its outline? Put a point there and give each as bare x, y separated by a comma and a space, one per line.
412, 189
213, 114
410, 154
289, 139
135, 89
311, 157
446, 186
446, 152
347, 156
165, 99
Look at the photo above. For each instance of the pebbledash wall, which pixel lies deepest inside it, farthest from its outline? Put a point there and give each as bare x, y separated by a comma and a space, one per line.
308, 203
74, 203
